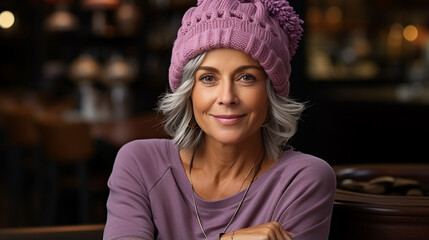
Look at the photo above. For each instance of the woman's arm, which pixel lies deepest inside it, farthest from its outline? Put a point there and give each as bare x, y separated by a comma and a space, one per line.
304, 210
267, 231
307, 213
128, 208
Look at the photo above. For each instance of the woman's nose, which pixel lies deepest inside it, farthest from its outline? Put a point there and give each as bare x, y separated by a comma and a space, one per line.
227, 94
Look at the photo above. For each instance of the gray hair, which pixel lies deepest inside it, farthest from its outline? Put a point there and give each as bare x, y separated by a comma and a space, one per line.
180, 124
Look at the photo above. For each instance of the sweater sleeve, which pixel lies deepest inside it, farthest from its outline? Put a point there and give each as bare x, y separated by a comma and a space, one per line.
307, 208
128, 207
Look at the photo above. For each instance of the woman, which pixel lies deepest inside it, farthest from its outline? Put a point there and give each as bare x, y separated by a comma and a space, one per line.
227, 173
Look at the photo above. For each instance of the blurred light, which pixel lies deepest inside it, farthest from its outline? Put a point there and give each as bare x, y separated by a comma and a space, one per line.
100, 4
394, 38
7, 19
411, 33
349, 55
314, 15
61, 20
334, 15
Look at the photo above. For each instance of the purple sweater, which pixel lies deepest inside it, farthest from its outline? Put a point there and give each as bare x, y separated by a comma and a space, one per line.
151, 197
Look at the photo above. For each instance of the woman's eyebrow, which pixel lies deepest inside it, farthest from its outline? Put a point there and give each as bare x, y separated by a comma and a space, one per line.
239, 69
245, 67
207, 68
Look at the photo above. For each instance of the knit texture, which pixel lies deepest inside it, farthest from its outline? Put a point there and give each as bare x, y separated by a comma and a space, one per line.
267, 30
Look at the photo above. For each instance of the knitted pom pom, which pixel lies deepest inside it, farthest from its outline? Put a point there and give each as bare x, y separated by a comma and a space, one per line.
288, 19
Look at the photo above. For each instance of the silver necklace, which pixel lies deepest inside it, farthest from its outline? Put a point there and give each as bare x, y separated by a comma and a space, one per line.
241, 201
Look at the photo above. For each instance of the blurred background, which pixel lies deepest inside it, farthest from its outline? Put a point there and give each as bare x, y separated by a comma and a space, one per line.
79, 78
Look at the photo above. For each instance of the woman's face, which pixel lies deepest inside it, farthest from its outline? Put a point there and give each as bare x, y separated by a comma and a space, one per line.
229, 97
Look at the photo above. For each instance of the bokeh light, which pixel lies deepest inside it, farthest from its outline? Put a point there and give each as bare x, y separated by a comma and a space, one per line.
7, 19
410, 33
334, 15
314, 16
394, 38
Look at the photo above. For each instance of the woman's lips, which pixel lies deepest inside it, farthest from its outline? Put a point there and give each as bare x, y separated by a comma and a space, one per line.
228, 119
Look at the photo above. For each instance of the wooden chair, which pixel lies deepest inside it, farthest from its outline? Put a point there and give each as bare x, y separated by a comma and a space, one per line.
67, 145
20, 125
23, 165
23, 161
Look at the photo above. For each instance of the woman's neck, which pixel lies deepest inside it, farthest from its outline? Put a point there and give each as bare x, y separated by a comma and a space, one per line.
220, 157
221, 170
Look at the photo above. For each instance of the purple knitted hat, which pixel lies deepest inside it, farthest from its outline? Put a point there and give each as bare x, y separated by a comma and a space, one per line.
267, 30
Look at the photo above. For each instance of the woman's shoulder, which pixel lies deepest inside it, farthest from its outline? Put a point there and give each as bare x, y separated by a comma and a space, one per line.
147, 144
152, 155
297, 158
303, 165
149, 148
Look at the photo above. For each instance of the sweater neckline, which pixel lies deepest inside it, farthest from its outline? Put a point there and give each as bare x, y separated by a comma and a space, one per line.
183, 182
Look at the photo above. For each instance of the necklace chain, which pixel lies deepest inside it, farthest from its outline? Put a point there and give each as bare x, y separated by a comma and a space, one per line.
242, 199
247, 175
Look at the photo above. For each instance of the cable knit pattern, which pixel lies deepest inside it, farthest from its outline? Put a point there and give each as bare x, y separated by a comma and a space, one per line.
267, 30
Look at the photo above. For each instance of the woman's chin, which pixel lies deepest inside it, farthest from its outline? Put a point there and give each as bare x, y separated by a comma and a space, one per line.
231, 137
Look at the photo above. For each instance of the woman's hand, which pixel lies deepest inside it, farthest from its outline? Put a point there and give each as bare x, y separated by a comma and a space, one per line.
267, 231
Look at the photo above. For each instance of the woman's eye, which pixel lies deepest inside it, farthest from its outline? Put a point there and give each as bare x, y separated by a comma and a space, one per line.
248, 77
206, 79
